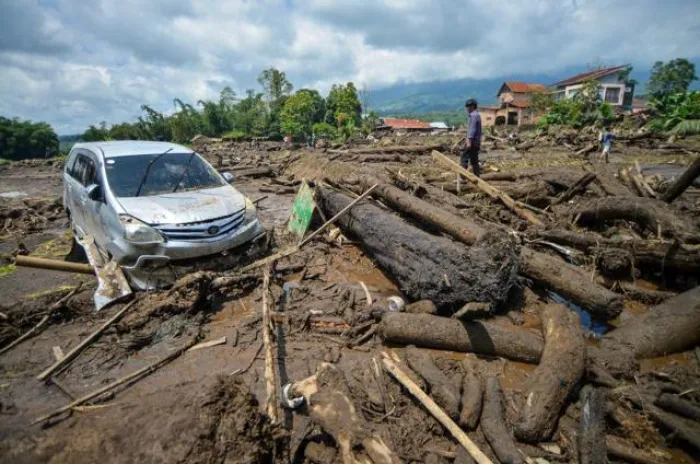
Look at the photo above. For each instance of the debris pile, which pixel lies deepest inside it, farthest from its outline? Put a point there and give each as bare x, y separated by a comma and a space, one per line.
426, 315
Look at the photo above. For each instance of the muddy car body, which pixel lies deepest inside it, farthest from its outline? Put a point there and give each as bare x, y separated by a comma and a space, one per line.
148, 204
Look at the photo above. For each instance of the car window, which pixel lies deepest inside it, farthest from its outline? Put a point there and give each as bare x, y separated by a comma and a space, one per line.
84, 170
168, 173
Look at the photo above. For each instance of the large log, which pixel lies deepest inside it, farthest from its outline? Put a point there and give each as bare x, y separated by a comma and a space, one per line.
571, 282
442, 389
493, 424
464, 230
425, 266
653, 253
560, 369
668, 328
443, 333
678, 405
472, 396
683, 182
650, 213
591, 446
578, 187
623, 451
487, 188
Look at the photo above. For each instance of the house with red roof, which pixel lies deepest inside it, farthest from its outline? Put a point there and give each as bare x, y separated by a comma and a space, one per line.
515, 105
404, 125
614, 87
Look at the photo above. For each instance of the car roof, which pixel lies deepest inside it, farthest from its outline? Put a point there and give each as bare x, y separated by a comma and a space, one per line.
131, 147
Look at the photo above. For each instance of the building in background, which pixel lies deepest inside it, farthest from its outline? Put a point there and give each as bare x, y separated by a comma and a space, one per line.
515, 107
404, 125
614, 88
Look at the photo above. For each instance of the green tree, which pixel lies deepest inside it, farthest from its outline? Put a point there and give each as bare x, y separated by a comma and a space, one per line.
155, 124
125, 131
275, 84
324, 131
343, 99
672, 77
299, 113
96, 133
26, 139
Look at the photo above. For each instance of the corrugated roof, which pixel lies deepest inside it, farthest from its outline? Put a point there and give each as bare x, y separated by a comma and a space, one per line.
406, 123
591, 75
439, 125
524, 87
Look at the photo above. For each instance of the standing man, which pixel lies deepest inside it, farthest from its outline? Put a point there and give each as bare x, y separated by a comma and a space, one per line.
471, 153
606, 139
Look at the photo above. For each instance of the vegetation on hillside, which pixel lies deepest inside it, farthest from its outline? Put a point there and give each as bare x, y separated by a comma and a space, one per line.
26, 139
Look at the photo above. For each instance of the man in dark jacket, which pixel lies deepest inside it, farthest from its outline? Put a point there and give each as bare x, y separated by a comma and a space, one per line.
471, 153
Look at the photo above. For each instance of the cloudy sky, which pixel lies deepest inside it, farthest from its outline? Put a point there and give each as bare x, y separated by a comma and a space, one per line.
77, 62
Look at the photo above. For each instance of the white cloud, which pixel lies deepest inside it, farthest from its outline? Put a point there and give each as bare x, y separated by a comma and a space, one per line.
73, 62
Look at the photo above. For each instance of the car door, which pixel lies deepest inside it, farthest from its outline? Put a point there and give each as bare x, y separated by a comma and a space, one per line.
94, 209
76, 192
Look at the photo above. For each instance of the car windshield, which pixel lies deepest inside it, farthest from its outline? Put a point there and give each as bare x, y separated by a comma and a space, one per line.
170, 172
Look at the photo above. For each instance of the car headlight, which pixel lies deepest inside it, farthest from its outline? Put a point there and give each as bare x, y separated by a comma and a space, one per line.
139, 232
251, 212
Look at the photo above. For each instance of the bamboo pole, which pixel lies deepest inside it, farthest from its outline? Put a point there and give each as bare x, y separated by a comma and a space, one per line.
148, 369
435, 410
53, 264
337, 216
92, 337
487, 188
270, 377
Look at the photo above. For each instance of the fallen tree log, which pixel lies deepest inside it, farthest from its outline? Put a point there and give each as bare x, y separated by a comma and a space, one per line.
683, 182
464, 230
487, 188
678, 405
607, 180
398, 149
442, 390
577, 188
483, 337
649, 213
621, 450
329, 405
560, 369
472, 396
668, 328
591, 445
425, 266
493, 424
587, 149
654, 253
264, 171
570, 282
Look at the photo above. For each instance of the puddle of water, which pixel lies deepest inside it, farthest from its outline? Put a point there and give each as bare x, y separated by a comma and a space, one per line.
597, 327
15, 194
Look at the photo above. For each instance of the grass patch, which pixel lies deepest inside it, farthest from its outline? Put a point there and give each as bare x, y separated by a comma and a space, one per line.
7, 270
51, 291
5, 162
57, 247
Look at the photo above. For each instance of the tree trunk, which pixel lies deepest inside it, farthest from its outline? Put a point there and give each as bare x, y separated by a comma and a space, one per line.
570, 282
628, 453
440, 388
668, 328
609, 183
472, 396
493, 424
461, 229
425, 266
591, 447
443, 333
683, 182
678, 405
560, 369
652, 214
652, 253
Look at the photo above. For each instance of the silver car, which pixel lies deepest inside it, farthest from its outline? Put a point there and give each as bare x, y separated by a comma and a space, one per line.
147, 203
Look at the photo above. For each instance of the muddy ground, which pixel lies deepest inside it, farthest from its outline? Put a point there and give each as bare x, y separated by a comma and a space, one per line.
207, 405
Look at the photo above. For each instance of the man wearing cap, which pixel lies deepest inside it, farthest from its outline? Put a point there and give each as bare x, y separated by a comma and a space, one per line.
471, 153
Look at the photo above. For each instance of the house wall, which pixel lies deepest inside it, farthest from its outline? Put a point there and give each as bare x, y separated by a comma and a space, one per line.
611, 81
488, 117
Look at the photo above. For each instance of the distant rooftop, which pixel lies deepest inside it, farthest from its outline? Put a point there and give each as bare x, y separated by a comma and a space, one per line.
577, 79
132, 147
395, 123
523, 87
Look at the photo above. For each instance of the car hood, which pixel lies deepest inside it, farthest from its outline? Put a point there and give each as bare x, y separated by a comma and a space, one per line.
185, 207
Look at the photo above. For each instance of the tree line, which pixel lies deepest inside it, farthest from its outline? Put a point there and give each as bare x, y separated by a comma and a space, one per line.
273, 112
26, 139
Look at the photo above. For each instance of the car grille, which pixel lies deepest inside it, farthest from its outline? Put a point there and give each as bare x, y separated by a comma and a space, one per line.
202, 230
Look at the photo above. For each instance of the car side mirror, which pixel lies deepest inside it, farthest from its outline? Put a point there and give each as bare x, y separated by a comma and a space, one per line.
228, 176
94, 192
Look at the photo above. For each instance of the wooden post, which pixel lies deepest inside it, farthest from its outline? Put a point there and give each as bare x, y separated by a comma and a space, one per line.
435, 410
270, 377
487, 188
53, 264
